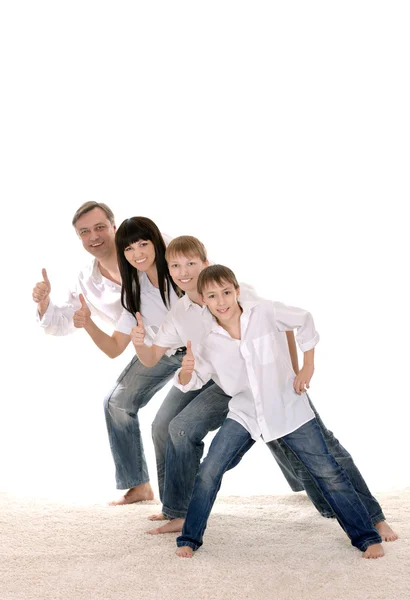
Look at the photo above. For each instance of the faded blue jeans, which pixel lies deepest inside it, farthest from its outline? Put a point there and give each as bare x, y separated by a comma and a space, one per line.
133, 389
307, 443
178, 432
343, 458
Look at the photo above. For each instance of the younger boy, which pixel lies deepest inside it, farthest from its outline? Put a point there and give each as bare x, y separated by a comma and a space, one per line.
244, 353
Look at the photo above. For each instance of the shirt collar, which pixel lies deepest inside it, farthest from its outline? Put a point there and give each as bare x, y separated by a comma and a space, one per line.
96, 273
188, 303
247, 308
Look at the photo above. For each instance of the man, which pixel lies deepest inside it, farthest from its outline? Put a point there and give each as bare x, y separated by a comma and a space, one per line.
100, 285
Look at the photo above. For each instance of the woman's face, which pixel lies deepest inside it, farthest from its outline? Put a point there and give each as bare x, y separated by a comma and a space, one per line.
141, 255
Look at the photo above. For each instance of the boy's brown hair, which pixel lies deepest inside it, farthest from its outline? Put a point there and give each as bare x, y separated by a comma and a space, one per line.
185, 245
216, 274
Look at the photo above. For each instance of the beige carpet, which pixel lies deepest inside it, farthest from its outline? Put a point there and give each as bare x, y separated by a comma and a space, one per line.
267, 547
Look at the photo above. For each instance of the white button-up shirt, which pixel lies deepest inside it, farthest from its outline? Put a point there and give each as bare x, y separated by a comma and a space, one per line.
103, 298
189, 321
153, 312
256, 370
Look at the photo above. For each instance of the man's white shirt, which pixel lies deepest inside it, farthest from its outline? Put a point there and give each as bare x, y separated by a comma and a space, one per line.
103, 298
257, 370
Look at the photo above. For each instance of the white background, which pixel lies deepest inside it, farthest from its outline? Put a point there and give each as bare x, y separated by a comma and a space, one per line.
276, 132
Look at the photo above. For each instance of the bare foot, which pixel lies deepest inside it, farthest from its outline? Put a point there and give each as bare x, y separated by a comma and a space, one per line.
138, 493
184, 552
386, 532
374, 551
158, 517
174, 526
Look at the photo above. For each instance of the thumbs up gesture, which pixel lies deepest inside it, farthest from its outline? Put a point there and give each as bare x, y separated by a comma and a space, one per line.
138, 332
188, 363
82, 316
42, 289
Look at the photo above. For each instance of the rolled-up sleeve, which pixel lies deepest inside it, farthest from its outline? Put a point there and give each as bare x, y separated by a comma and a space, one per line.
58, 320
291, 317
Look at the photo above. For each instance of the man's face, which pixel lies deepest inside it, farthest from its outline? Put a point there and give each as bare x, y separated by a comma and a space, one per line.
184, 270
96, 233
222, 301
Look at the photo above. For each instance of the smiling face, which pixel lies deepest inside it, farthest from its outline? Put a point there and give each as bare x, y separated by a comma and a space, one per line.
96, 233
184, 270
141, 255
222, 301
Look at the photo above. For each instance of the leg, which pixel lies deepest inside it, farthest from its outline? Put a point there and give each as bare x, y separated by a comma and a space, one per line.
134, 388
228, 446
288, 462
344, 459
185, 447
308, 444
174, 403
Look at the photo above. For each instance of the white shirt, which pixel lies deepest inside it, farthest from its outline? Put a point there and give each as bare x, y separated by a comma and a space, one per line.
153, 312
189, 321
103, 298
256, 370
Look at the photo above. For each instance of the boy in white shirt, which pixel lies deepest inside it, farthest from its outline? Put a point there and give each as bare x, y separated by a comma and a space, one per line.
245, 353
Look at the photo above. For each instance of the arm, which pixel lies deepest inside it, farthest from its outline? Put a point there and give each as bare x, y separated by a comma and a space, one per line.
41, 294
55, 320
302, 379
148, 355
290, 336
188, 366
194, 372
113, 345
290, 317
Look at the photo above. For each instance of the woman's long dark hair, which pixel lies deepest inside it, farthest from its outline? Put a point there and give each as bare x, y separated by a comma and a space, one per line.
130, 231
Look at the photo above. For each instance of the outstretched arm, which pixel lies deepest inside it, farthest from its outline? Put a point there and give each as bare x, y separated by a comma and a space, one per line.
113, 345
41, 294
188, 365
148, 355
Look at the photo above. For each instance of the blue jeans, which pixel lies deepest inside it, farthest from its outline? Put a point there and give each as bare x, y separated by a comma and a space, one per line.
133, 389
307, 443
343, 458
178, 431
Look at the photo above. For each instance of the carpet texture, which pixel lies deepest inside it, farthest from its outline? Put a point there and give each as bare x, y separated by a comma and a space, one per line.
261, 547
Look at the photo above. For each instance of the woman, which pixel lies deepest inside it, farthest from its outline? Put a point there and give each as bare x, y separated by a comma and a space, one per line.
148, 289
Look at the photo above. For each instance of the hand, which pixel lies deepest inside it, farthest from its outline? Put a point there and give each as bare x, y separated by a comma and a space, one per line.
42, 289
188, 362
138, 332
82, 316
302, 379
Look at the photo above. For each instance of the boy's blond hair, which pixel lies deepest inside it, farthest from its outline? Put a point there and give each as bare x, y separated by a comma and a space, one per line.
216, 274
186, 245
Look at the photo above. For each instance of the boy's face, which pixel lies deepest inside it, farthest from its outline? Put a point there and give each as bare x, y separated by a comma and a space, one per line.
185, 270
222, 301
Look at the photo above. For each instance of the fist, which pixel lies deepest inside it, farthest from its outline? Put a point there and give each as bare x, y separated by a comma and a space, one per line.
82, 315
188, 362
138, 332
42, 289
